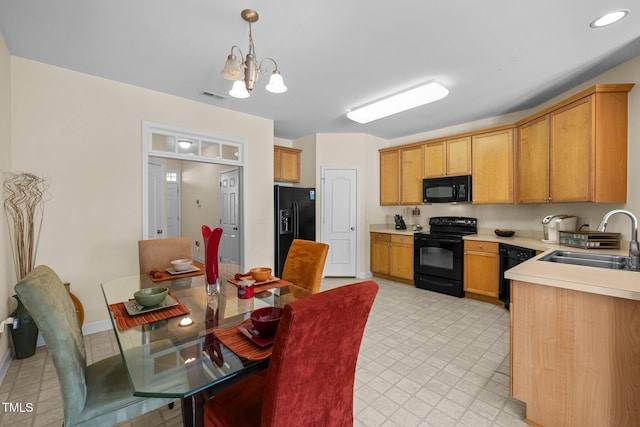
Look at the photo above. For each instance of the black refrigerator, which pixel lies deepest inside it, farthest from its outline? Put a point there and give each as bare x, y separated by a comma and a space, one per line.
295, 217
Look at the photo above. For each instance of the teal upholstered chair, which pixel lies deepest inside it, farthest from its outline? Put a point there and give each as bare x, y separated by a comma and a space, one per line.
94, 395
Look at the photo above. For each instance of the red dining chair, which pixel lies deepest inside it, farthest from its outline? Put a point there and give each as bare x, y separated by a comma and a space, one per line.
312, 369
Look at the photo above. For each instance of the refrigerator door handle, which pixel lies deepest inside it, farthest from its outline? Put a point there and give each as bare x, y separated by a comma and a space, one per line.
296, 222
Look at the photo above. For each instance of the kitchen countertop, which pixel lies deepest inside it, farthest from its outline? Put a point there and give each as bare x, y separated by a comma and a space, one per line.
391, 229
603, 281
615, 283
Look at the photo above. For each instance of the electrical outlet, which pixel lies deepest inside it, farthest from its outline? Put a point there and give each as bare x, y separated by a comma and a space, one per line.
262, 220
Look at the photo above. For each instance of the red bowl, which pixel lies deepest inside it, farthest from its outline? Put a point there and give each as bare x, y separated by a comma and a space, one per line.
266, 320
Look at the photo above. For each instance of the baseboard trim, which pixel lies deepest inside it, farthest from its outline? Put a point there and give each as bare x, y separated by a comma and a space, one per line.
6, 362
87, 329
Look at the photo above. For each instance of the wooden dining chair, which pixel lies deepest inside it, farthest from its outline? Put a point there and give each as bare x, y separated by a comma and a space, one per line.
310, 378
158, 253
304, 264
95, 395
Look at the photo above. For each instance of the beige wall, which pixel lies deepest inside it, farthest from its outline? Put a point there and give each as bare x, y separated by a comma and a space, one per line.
308, 161
200, 183
7, 273
358, 151
84, 132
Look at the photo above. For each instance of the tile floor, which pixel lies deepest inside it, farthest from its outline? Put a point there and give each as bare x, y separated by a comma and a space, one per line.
426, 360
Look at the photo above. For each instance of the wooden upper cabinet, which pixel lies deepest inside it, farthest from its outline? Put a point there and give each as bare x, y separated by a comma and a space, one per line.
533, 161
435, 163
571, 140
492, 167
390, 177
576, 152
286, 164
411, 176
573, 151
447, 158
401, 176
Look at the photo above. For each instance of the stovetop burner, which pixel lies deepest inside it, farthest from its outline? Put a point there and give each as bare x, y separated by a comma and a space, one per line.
453, 225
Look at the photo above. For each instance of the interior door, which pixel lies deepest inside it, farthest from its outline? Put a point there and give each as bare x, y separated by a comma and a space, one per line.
229, 195
156, 201
340, 217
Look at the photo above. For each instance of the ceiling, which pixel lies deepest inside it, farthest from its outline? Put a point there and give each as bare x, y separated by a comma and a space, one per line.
494, 56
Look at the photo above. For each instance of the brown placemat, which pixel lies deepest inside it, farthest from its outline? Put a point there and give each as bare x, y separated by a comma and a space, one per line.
258, 287
241, 345
125, 321
165, 275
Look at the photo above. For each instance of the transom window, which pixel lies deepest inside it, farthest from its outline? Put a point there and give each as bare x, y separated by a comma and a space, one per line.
163, 141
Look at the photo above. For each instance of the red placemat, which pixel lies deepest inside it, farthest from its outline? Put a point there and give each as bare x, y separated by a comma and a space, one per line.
165, 275
125, 321
241, 345
258, 287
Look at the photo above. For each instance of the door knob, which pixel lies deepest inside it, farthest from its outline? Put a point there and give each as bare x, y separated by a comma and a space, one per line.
353, 229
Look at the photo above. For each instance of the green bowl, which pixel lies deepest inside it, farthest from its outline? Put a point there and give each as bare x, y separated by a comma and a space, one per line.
149, 297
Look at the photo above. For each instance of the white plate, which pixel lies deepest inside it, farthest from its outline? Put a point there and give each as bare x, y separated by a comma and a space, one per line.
191, 269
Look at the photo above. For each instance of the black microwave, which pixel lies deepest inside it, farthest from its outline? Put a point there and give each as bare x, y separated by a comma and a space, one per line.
448, 189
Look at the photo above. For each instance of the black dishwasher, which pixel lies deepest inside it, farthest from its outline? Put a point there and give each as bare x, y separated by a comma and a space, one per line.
510, 256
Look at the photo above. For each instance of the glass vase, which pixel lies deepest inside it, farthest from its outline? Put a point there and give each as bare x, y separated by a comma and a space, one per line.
211, 245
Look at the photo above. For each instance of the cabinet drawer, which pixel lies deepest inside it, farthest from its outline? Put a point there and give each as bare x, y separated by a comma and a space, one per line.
401, 238
380, 237
474, 245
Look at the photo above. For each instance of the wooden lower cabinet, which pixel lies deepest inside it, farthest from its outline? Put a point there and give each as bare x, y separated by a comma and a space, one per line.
392, 256
482, 271
574, 356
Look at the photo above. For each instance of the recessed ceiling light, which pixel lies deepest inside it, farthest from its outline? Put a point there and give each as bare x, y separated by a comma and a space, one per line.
402, 101
609, 18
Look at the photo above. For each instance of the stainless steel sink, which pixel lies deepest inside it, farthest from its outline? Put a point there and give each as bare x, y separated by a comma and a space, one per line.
614, 262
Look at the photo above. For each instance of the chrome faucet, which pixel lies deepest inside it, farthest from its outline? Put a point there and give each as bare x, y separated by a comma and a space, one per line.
634, 250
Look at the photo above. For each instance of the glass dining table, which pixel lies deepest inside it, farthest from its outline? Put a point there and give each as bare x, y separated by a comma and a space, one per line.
181, 356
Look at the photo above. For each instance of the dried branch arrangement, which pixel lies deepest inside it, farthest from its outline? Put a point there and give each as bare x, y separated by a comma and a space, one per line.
24, 204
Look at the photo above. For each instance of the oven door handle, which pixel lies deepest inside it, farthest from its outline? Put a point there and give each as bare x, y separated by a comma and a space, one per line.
427, 239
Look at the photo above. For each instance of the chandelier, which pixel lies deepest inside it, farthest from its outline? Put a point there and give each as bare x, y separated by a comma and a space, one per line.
245, 75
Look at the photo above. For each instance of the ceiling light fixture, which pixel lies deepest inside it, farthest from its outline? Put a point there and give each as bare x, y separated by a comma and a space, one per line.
246, 74
398, 103
609, 18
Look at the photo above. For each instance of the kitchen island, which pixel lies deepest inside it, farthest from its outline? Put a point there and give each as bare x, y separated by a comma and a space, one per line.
575, 344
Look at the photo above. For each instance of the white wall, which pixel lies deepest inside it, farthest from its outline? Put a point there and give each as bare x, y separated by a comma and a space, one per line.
7, 272
84, 132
